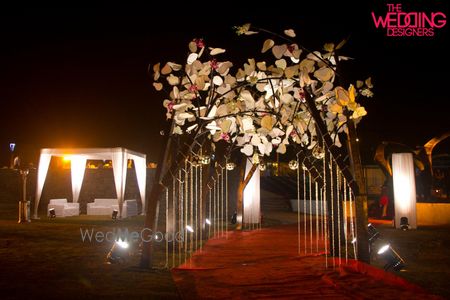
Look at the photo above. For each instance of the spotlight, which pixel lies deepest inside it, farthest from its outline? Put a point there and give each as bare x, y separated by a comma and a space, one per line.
231, 166
404, 224
189, 228
208, 221
52, 213
293, 165
119, 252
114, 214
393, 260
373, 233
234, 218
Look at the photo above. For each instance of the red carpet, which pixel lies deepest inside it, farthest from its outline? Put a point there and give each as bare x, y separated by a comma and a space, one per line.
265, 264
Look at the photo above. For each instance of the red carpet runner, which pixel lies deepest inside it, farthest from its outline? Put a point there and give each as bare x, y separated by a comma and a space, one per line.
265, 264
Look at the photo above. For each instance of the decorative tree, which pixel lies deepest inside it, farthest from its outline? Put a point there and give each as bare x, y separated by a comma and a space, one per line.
289, 98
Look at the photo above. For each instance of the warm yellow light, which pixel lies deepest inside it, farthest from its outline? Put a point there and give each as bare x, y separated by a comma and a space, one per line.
66, 158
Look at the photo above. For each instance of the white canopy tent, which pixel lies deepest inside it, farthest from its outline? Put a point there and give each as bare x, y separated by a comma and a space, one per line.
78, 157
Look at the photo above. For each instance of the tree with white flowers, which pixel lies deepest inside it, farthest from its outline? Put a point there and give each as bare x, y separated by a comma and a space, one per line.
263, 106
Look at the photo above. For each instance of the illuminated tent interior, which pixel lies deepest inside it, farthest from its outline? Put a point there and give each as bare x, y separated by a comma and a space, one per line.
78, 157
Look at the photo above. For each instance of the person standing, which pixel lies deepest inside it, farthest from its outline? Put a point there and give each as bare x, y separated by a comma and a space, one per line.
384, 201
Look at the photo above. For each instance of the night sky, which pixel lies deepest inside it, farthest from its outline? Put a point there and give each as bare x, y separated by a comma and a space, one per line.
77, 77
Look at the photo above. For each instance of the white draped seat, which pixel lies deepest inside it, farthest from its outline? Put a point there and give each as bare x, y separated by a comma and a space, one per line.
101, 207
63, 208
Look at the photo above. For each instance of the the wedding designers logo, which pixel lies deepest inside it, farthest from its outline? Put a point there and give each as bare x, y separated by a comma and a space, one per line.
397, 22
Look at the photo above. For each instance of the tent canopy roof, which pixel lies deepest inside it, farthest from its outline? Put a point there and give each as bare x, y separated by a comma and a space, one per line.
90, 153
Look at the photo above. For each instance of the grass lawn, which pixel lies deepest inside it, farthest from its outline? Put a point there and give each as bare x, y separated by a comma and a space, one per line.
426, 252
47, 258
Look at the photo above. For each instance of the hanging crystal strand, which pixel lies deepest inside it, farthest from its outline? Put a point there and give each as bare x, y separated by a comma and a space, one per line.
310, 213
191, 207
304, 206
174, 211
226, 199
338, 191
222, 196
333, 253
325, 209
216, 204
344, 184
298, 206
316, 188
186, 202
167, 225
209, 211
180, 217
321, 213
352, 227
201, 206
214, 208
197, 228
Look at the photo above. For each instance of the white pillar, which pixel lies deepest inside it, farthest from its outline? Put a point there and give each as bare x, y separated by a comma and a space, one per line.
404, 188
141, 174
252, 197
77, 169
119, 161
44, 163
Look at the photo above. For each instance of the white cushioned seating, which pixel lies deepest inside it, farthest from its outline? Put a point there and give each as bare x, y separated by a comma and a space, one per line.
129, 208
102, 206
64, 208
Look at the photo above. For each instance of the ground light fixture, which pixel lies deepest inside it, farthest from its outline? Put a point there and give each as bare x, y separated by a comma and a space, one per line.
119, 252
52, 213
393, 260
114, 214
373, 233
234, 218
404, 224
